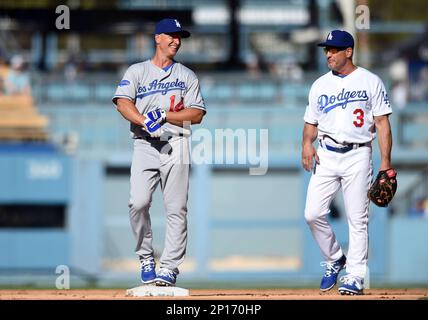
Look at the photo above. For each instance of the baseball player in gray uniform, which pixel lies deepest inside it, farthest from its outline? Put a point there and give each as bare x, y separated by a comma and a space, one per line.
160, 98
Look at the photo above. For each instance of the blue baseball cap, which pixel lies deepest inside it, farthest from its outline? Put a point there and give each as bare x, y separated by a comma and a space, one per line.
338, 39
170, 25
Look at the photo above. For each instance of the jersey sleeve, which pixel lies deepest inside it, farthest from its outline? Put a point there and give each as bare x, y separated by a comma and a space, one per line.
127, 87
380, 101
193, 97
311, 114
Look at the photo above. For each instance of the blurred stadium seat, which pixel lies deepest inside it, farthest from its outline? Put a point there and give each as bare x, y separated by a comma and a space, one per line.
20, 119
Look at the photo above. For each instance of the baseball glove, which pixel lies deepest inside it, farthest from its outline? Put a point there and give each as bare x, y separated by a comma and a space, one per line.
383, 188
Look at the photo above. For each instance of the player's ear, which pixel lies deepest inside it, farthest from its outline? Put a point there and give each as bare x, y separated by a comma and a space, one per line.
349, 52
157, 38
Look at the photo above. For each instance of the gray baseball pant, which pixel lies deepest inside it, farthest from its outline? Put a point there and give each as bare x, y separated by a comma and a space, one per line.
167, 162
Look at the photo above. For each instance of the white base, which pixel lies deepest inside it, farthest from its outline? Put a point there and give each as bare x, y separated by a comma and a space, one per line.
155, 291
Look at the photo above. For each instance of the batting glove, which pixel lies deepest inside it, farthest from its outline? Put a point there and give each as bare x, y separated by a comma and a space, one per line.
158, 115
152, 127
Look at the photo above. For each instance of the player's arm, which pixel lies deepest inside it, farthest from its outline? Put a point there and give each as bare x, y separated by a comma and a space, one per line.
129, 111
383, 129
187, 115
310, 133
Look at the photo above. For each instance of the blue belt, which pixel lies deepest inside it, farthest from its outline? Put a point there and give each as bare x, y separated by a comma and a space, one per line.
345, 149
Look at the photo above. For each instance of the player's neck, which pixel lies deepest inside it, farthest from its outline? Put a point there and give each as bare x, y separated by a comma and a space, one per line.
347, 69
161, 61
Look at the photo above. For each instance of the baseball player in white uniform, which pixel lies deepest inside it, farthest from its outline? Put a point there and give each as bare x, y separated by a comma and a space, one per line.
161, 98
347, 107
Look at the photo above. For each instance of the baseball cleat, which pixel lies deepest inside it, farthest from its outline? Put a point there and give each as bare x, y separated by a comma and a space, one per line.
166, 278
351, 285
329, 279
148, 272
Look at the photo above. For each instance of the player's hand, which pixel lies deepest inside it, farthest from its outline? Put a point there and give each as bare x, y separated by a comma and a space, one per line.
158, 116
152, 127
308, 156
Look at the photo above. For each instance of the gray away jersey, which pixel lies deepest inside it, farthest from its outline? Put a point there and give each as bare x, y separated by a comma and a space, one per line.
151, 87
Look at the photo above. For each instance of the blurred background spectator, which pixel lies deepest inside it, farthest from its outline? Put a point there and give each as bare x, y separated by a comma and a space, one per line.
399, 94
252, 63
17, 80
420, 208
420, 87
4, 70
399, 74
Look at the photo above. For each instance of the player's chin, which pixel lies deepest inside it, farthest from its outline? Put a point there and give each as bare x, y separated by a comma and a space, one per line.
173, 50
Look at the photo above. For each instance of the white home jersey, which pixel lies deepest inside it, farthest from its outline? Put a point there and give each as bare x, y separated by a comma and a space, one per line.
344, 107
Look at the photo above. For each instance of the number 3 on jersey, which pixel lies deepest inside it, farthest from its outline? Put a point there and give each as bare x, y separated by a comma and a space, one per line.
178, 107
360, 118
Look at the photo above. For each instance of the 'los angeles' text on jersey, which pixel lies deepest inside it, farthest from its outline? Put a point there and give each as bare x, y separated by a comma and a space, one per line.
159, 87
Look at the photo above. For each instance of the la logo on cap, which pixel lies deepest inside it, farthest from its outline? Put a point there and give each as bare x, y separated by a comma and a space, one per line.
177, 23
330, 36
